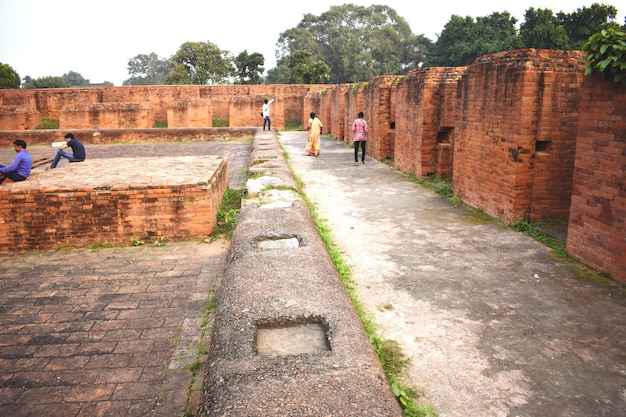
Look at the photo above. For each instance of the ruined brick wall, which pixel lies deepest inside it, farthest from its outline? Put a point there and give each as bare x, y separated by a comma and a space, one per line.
190, 113
92, 136
337, 109
379, 111
51, 103
354, 104
505, 109
312, 103
106, 116
597, 222
425, 117
43, 219
19, 118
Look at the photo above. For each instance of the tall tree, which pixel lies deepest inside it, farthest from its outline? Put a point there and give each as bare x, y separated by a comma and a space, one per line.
200, 63
462, 40
147, 70
357, 43
586, 21
303, 69
249, 67
9, 79
542, 29
75, 79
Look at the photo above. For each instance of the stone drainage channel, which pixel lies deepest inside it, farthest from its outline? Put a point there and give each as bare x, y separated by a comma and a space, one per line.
286, 339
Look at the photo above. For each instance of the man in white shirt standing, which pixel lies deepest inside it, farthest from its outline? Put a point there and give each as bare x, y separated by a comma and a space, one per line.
266, 114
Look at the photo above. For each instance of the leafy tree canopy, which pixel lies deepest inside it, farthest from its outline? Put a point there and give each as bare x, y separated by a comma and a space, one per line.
607, 54
46, 82
147, 70
8, 77
200, 63
75, 79
249, 68
356, 43
464, 39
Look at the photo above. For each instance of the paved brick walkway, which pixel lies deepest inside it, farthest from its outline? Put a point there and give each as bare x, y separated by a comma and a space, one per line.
115, 332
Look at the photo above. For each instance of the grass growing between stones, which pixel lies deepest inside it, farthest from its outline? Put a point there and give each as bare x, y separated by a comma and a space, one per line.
228, 212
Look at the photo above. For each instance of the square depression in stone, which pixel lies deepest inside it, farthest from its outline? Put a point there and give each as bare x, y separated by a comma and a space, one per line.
296, 339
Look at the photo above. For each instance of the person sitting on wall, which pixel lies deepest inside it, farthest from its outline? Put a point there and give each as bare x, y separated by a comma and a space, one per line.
21, 166
78, 151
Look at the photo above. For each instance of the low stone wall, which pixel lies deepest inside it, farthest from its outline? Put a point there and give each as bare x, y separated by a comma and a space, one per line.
100, 202
87, 136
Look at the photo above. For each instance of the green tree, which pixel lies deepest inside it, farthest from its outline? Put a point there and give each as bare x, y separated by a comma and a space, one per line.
74, 79
9, 79
586, 21
303, 69
356, 43
249, 67
542, 29
200, 63
46, 82
462, 40
147, 70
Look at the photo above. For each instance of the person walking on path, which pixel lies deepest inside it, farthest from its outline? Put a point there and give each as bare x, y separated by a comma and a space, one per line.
314, 127
359, 128
21, 166
78, 151
266, 114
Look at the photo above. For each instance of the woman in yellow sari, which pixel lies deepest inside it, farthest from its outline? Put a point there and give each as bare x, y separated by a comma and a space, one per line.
314, 128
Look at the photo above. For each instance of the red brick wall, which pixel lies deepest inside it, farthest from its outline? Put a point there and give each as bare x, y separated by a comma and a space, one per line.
46, 137
337, 107
354, 104
426, 106
508, 103
19, 118
378, 109
106, 116
52, 102
190, 113
35, 219
597, 222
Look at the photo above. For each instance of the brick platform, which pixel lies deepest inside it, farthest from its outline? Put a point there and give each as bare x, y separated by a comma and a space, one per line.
147, 192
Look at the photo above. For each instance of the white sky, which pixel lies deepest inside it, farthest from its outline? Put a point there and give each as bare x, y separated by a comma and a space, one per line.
97, 38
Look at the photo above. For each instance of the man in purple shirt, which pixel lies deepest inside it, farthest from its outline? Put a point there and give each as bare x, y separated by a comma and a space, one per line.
20, 168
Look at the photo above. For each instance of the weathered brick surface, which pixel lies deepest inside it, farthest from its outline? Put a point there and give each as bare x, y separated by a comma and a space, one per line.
506, 129
106, 116
509, 104
425, 116
379, 108
105, 136
338, 105
19, 118
190, 113
97, 201
597, 222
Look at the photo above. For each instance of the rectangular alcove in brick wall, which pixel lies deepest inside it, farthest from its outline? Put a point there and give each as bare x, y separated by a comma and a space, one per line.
105, 201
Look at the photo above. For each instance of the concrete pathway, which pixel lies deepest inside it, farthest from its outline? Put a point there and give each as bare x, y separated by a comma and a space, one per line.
494, 325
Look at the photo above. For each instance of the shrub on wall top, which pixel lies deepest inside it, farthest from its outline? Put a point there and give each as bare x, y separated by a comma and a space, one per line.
607, 55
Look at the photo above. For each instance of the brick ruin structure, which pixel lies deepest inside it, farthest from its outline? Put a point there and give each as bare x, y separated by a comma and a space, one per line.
523, 135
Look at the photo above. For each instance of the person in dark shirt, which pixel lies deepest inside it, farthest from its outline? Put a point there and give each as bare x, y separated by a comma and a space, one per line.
21, 166
78, 151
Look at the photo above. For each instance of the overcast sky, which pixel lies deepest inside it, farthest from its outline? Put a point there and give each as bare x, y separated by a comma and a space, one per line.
97, 38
